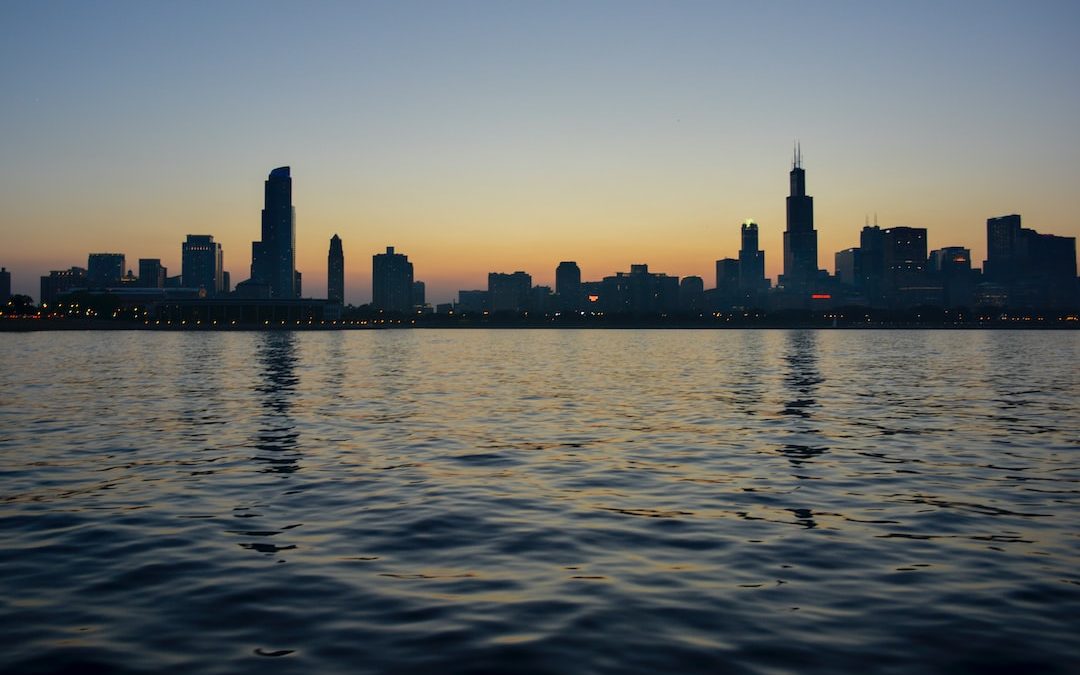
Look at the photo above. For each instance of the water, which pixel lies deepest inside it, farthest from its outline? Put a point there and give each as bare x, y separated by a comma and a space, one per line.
540, 502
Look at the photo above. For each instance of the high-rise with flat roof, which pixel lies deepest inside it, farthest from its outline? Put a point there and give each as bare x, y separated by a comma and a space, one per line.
391, 281
509, 292
200, 264
104, 269
568, 285
151, 273
1002, 248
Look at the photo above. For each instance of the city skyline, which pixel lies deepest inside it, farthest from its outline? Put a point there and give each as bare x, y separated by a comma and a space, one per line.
513, 138
891, 266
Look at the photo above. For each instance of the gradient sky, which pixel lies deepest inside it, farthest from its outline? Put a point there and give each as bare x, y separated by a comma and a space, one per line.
502, 136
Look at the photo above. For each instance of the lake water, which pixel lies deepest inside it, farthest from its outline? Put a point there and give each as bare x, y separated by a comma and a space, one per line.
578, 501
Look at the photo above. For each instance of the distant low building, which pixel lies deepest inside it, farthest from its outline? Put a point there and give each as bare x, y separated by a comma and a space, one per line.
472, 302
61, 281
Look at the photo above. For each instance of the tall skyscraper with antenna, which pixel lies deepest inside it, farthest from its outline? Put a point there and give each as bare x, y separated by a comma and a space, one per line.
800, 238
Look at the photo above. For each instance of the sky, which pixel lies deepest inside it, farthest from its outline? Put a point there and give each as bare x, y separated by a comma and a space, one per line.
501, 136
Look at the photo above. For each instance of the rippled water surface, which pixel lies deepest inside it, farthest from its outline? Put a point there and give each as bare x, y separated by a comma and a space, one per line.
540, 502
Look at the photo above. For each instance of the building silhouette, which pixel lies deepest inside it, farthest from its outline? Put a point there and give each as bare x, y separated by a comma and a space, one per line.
59, 282
872, 259
640, 292
727, 293
509, 292
1028, 269
800, 238
273, 258
419, 294
849, 270
951, 269
474, 301
692, 294
1002, 264
568, 286
104, 269
906, 281
391, 281
5, 285
335, 272
751, 262
151, 273
200, 264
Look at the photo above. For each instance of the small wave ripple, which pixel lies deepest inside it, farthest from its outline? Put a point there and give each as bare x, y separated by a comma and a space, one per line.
540, 502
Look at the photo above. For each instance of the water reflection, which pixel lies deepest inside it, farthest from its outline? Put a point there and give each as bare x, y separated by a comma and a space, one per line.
801, 381
277, 438
803, 376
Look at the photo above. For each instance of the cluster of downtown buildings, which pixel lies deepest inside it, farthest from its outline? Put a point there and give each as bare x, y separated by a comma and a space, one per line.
890, 269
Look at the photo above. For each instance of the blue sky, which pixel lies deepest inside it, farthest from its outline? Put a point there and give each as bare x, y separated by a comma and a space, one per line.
497, 136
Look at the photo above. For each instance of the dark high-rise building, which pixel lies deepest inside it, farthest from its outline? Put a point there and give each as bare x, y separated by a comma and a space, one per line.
1045, 271
692, 294
509, 292
951, 267
849, 267
640, 292
61, 281
727, 275
5, 285
1002, 249
419, 294
568, 286
872, 260
335, 272
800, 238
151, 273
104, 269
273, 258
391, 281
751, 261
200, 264
1029, 269
906, 280
472, 301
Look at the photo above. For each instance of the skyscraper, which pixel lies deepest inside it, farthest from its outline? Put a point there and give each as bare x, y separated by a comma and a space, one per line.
568, 285
104, 269
751, 261
1002, 244
5, 285
872, 259
200, 264
509, 292
905, 265
391, 281
800, 238
335, 272
273, 258
151, 273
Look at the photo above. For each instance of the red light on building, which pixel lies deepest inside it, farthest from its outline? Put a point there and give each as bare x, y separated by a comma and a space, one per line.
821, 296
594, 298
